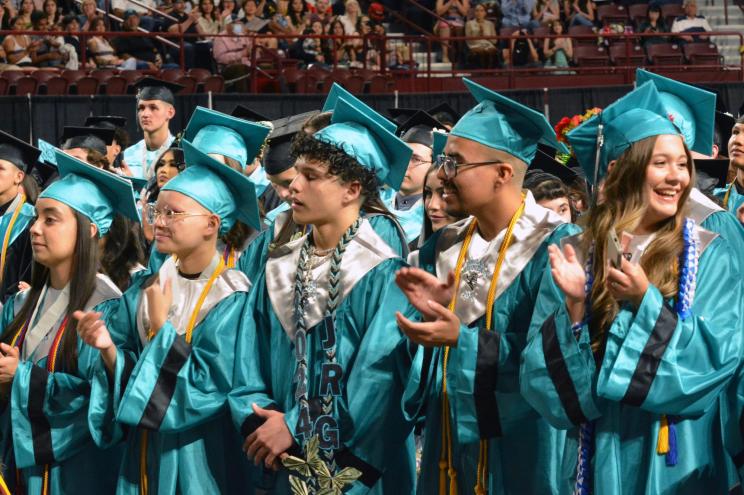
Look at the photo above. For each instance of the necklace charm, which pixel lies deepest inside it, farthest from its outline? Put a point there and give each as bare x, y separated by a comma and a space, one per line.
472, 272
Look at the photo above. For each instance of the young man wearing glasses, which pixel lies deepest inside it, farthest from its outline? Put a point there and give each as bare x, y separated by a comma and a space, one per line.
476, 290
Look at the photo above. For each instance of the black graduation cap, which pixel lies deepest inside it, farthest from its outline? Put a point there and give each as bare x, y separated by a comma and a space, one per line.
400, 115
18, 152
43, 173
418, 129
149, 88
106, 121
245, 113
725, 123
445, 113
94, 138
278, 157
545, 167
711, 174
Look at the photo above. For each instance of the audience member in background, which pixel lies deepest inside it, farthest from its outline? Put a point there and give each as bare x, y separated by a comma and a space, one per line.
25, 12
691, 23
71, 27
310, 50
209, 22
186, 23
298, 15
352, 13
229, 11
546, 11
19, 49
322, 9
233, 55
142, 49
654, 23
53, 14
7, 14
49, 53
148, 23
583, 13
557, 51
518, 13
252, 21
485, 50
340, 50
89, 13
454, 12
522, 51
102, 52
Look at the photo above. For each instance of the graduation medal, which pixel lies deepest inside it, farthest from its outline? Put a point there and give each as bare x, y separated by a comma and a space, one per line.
472, 272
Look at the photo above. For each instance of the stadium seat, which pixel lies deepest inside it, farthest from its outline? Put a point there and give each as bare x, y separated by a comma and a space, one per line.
664, 54
188, 83
381, 84
72, 76
622, 54
12, 76
214, 83
637, 13
42, 76
702, 54
26, 85
611, 13
355, 84
671, 11
87, 86
582, 30
590, 56
103, 74
171, 75
116, 85
199, 74
4, 85
56, 86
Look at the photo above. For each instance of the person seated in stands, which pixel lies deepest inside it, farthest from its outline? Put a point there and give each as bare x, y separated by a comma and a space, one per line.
147, 21
691, 23
454, 12
54, 15
351, 16
654, 23
546, 11
558, 52
483, 49
228, 11
7, 13
186, 24
583, 13
49, 52
141, 48
310, 50
71, 27
25, 11
522, 51
365, 51
233, 55
518, 14
253, 22
322, 9
342, 50
101, 51
298, 15
209, 22
89, 13
19, 48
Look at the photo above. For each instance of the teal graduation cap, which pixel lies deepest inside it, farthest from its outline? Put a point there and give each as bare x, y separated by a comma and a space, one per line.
691, 109
637, 115
372, 145
503, 124
220, 189
213, 132
440, 141
92, 191
338, 92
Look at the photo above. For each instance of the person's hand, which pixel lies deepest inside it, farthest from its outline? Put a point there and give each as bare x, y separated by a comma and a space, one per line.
8, 363
270, 440
420, 287
567, 272
443, 330
740, 213
23, 286
628, 284
92, 330
158, 304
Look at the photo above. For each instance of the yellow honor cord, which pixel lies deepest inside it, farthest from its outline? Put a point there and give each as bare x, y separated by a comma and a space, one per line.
4, 487
6, 238
728, 193
445, 462
143, 463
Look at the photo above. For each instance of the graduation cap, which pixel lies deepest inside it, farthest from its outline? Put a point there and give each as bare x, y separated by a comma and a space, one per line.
545, 167
637, 115
337, 92
222, 190
149, 88
18, 152
444, 113
711, 174
43, 173
138, 183
213, 132
691, 109
92, 191
245, 113
106, 121
278, 157
93, 138
418, 129
725, 123
400, 115
504, 124
364, 138
439, 142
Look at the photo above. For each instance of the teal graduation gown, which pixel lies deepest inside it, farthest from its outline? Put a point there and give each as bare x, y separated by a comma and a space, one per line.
411, 219
18, 251
712, 217
483, 369
735, 199
371, 433
654, 363
175, 393
46, 419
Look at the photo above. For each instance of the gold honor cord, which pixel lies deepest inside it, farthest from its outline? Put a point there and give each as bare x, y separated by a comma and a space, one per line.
4, 487
189, 332
445, 460
728, 193
6, 238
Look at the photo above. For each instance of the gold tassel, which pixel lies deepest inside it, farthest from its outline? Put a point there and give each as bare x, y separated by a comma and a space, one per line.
453, 482
442, 477
662, 444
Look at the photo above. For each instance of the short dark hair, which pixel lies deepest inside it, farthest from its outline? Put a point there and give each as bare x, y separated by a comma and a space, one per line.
549, 189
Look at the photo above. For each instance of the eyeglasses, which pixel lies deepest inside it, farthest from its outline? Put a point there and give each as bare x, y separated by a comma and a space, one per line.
450, 165
169, 216
417, 162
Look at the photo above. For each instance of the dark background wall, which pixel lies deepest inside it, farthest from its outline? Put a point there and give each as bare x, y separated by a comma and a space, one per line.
45, 116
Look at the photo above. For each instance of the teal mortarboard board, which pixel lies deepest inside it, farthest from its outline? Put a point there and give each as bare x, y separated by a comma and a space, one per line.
690, 108
366, 140
18, 152
637, 115
503, 124
338, 92
48, 152
439, 143
214, 132
138, 183
92, 191
220, 189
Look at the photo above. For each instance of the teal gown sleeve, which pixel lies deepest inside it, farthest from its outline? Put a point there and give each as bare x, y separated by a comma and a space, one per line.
175, 385
50, 409
391, 232
253, 260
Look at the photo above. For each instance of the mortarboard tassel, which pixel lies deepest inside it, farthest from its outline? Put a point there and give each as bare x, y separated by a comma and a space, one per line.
671, 457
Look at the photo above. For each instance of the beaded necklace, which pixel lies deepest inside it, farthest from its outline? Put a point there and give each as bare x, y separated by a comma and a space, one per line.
667, 439
302, 295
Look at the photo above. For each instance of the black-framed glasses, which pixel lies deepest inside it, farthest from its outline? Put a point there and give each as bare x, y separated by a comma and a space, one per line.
450, 165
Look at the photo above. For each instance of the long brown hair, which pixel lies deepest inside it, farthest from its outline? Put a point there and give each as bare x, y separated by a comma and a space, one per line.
622, 209
82, 286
